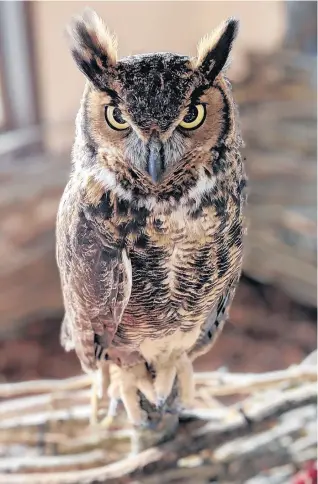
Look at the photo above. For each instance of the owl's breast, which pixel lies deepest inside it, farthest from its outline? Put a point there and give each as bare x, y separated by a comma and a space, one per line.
180, 267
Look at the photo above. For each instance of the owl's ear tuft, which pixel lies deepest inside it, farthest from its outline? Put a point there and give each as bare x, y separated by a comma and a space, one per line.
214, 49
93, 47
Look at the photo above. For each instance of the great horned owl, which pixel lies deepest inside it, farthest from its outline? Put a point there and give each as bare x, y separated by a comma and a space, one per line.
150, 226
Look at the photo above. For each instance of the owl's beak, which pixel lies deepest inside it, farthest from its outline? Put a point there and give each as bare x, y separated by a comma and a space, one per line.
155, 161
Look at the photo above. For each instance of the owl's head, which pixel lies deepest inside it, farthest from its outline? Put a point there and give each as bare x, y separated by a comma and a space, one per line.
153, 108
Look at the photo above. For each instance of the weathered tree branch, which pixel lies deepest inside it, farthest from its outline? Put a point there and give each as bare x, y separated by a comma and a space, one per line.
231, 442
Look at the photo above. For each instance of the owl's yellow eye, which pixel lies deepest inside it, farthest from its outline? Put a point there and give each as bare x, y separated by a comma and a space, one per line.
114, 118
195, 117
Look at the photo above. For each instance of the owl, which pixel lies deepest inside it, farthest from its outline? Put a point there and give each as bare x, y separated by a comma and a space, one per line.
150, 226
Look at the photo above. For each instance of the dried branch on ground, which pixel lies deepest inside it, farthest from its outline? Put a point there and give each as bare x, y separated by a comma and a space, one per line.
241, 425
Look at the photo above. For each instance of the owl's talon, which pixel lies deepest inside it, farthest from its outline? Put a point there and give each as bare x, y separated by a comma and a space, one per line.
166, 373
141, 422
106, 423
160, 402
184, 408
112, 409
172, 411
111, 414
147, 425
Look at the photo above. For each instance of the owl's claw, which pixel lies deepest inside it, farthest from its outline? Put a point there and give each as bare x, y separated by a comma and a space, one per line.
111, 414
100, 383
107, 422
146, 425
126, 385
160, 402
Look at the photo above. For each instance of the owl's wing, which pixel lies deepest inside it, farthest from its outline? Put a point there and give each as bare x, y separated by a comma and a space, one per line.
215, 321
96, 283
224, 304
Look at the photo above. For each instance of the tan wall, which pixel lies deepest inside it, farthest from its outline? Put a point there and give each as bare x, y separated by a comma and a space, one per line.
141, 27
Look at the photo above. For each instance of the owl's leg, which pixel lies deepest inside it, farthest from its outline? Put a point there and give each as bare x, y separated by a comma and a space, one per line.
165, 377
114, 398
186, 384
123, 384
132, 380
98, 389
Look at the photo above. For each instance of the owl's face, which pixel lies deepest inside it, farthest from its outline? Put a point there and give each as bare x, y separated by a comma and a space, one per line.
152, 108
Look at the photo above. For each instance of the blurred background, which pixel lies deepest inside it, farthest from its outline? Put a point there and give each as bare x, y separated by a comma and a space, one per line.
273, 318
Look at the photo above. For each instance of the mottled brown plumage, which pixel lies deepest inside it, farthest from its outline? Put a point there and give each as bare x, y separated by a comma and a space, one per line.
150, 226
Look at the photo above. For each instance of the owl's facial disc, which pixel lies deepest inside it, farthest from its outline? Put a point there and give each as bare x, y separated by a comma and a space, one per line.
182, 98
156, 151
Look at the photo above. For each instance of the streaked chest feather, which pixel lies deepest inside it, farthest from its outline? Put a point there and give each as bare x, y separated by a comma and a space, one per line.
178, 274
182, 260
179, 267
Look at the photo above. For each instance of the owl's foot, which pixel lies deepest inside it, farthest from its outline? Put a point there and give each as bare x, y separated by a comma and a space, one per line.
165, 376
96, 394
126, 383
111, 413
98, 390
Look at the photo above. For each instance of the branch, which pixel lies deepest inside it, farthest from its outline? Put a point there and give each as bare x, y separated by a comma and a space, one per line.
230, 384
273, 426
166, 457
219, 379
44, 386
